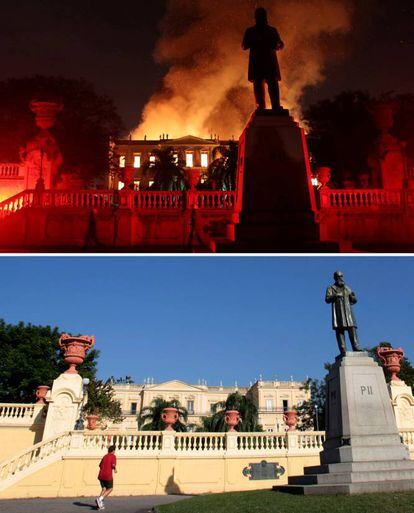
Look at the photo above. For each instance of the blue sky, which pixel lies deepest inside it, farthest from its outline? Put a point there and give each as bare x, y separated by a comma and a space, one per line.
219, 319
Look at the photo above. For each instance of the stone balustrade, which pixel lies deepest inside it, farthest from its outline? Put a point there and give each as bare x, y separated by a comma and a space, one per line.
19, 414
10, 171
407, 436
360, 198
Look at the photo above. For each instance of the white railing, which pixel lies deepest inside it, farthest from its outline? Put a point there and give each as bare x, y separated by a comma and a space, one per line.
360, 198
123, 442
78, 199
262, 442
15, 203
407, 436
19, 414
200, 442
311, 441
9, 171
32, 459
213, 200
155, 200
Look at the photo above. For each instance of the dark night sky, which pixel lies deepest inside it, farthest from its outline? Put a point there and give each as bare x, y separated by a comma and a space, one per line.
111, 45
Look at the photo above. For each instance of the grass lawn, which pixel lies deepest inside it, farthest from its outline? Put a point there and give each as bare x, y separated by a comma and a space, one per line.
273, 502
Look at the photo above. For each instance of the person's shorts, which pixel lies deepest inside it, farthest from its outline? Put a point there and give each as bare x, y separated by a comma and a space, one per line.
108, 485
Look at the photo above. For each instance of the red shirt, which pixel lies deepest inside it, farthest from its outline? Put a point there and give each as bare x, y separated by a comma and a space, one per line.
107, 464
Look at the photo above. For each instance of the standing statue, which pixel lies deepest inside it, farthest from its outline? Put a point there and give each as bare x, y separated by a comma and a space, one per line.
342, 298
263, 41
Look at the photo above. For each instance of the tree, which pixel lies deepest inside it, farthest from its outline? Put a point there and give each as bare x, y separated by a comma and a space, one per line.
150, 417
311, 413
221, 174
101, 401
83, 130
30, 356
342, 134
243, 404
167, 171
407, 370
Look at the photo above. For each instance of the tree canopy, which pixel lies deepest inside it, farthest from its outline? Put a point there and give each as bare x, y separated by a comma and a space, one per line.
82, 130
101, 401
31, 357
343, 132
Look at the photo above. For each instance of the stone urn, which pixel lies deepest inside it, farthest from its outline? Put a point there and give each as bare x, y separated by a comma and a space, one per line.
323, 174
391, 359
169, 417
193, 178
291, 419
45, 113
232, 419
41, 392
92, 421
75, 349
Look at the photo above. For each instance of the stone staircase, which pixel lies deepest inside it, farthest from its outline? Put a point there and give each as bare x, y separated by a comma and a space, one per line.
19, 466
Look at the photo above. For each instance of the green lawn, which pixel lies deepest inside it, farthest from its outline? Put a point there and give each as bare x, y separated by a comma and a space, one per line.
273, 502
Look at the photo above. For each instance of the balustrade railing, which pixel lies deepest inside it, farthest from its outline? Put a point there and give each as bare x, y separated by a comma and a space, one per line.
311, 441
200, 442
261, 441
123, 442
141, 200
407, 437
360, 198
22, 414
9, 171
12, 467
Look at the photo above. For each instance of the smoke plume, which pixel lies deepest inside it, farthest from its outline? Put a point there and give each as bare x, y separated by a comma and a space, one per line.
206, 89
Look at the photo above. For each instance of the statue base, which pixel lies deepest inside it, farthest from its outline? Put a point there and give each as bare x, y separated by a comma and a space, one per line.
278, 205
363, 452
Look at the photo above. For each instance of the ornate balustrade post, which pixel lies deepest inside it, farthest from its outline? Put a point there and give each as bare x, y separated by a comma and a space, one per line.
231, 442
168, 443
292, 442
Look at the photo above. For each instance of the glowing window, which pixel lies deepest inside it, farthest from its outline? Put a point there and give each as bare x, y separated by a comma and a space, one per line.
150, 183
121, 185
137, 161
137, 185
189, 160
152, 160
175, 157
204, 160
122, 161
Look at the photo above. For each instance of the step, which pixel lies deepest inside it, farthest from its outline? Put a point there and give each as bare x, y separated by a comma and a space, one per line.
360, 466
402, 485
353, 477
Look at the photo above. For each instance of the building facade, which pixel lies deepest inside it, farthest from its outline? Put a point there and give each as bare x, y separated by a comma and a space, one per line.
271, 398
193, 152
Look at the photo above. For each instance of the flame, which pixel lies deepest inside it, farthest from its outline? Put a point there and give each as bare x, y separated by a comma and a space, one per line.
206, 89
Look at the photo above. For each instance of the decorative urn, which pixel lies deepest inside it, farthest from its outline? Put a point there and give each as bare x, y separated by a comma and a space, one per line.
75, 349
41, 392
92, 422
323, 175
291, 419
232, 419
169, 417
391, 359
45, 113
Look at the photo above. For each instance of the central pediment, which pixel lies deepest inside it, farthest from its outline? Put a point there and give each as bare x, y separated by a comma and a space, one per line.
175, 386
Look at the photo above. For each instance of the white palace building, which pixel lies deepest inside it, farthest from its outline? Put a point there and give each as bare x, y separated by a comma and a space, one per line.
272, 399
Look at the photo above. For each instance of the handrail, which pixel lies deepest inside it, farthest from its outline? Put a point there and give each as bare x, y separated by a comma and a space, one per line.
359, 198
10, 170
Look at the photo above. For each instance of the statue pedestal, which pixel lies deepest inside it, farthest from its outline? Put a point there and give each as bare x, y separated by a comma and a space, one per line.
363, 452
278, 207
64, 401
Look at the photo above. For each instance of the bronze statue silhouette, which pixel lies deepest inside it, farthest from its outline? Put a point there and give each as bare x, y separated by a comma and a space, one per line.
264, 41
342, 298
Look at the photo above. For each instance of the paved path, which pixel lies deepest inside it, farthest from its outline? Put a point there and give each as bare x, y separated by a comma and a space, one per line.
83, 505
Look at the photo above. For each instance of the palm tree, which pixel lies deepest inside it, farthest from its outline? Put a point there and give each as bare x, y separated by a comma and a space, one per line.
221, 174
244, 405
150, 417
167, 171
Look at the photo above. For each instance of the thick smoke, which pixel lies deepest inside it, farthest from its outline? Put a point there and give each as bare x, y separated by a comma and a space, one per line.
206, 90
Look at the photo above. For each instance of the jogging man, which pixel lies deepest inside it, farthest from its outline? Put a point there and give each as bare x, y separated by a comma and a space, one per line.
107, 466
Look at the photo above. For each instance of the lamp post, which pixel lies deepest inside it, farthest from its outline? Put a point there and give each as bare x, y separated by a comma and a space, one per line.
79, 424
317, 417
